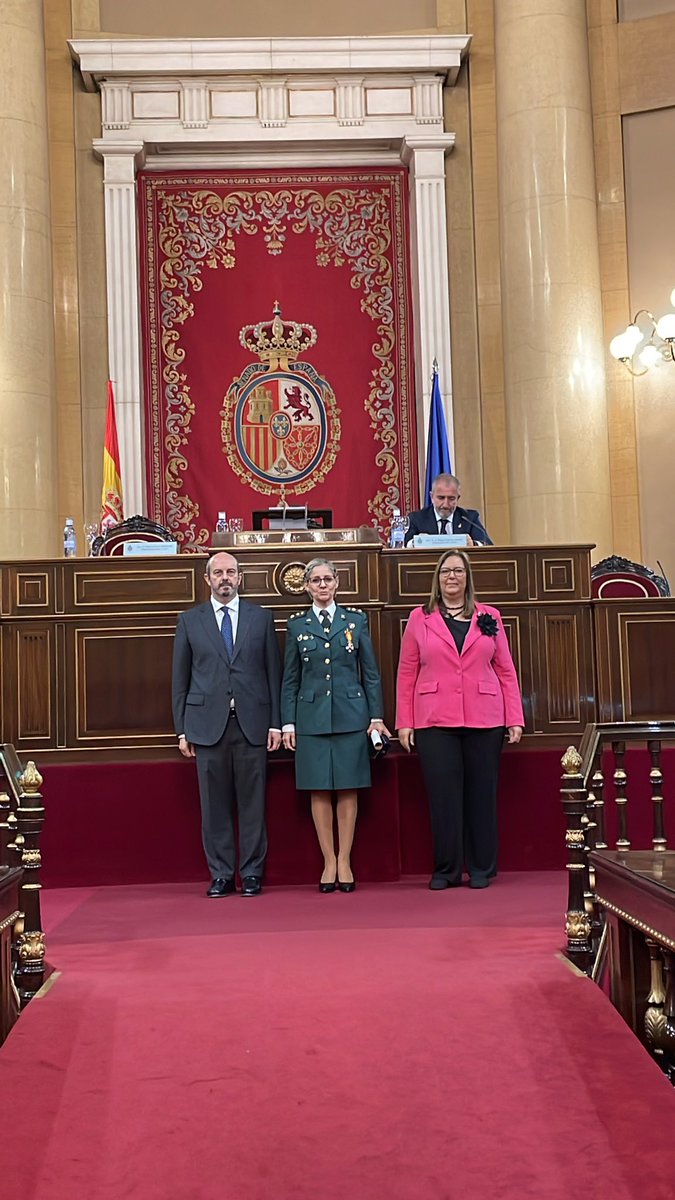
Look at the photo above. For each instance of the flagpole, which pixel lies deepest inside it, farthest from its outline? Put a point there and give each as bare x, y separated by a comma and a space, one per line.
438, 453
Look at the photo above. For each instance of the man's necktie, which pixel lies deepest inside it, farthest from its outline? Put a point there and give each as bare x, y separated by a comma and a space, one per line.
226, 632
443, 523
324, 617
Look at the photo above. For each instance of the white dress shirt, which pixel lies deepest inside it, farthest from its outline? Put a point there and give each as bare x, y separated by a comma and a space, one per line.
233, 609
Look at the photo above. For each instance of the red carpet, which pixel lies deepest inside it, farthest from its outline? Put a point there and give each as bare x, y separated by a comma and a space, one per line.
396, 1043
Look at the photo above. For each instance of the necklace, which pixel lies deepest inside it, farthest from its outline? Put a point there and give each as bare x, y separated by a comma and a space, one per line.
454, 612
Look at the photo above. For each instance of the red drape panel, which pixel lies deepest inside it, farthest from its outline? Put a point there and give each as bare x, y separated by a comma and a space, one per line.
217, 250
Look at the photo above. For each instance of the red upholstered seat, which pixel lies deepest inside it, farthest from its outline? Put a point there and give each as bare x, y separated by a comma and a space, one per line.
618, 578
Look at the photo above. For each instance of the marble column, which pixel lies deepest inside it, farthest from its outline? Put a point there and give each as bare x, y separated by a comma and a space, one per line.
556, 409
28, 514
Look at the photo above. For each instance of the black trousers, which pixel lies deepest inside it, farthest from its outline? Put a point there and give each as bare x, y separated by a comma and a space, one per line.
233, 772
461, 771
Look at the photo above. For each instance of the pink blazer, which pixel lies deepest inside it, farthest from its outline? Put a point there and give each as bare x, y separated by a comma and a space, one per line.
437, 686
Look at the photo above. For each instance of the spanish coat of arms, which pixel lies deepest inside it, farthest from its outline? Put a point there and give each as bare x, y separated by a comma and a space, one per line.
280, 422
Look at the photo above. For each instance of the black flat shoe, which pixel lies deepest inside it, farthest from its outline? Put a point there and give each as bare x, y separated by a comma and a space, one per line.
328, 887
347, 887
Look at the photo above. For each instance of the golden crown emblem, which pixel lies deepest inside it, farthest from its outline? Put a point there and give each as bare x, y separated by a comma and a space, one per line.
278, 342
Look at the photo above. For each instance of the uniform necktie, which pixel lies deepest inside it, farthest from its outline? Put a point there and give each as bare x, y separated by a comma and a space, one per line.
324, 617
443, 524
226, 632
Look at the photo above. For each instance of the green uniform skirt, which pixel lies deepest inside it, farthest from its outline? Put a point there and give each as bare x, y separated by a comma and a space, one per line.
328, 762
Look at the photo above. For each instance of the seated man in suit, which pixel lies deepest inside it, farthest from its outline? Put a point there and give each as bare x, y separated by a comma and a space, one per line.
444, 515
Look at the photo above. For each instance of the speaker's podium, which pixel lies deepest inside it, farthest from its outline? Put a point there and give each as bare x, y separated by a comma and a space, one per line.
292, 517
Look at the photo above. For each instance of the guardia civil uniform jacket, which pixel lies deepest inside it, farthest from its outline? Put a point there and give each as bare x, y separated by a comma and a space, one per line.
331, 682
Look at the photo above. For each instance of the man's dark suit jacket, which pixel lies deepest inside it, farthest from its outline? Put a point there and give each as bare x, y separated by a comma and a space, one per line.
465, 520
204, 680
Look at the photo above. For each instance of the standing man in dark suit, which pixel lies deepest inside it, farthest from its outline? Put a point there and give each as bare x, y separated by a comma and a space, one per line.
444, 515
226, 685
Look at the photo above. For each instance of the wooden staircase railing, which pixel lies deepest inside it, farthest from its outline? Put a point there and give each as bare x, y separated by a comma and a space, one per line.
583, 800
21, 821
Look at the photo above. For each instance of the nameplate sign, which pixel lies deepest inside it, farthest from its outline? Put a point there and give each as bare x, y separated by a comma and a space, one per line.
149, 549
439, 541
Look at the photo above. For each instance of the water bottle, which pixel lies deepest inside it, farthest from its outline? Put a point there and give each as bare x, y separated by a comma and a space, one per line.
69, 539
398, 528
221, 523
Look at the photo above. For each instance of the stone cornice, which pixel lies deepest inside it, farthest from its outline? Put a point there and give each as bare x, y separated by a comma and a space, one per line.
104, 59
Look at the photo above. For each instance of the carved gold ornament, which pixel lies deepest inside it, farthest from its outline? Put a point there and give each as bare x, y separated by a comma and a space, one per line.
292, 578
32, 946
574, 837
30, 779
571, 761
578, 925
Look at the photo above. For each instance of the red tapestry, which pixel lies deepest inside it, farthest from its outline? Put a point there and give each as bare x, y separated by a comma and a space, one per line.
277, 345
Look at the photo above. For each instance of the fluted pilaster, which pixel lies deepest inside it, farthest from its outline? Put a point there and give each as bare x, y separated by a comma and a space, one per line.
425, 158
124, 338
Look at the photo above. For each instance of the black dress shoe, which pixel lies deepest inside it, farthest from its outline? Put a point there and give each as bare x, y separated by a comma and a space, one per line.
438, 883
251, 885
328, 887
222, 887
479, 881
347, 887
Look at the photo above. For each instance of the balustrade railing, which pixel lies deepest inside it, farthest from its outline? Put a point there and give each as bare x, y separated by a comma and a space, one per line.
584, 803
21, 821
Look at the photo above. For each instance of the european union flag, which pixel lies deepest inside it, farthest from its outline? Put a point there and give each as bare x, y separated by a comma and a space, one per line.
438, 452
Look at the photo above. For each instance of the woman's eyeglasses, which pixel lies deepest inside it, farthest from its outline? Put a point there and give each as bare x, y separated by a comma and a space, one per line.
322, 579
445, 571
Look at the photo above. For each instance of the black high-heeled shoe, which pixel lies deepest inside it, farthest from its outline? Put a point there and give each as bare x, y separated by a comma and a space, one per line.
328, 887
347, 887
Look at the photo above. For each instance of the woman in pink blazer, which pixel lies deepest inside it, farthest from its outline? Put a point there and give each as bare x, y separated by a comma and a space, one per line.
457, 695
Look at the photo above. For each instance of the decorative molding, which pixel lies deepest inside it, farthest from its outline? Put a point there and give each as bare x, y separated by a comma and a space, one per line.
251, 102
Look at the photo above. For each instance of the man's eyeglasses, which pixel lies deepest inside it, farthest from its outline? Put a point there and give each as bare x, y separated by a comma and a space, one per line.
452, 571
322, 579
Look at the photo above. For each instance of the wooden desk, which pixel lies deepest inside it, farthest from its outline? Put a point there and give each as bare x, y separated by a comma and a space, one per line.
10, 878
637, 892
86, 644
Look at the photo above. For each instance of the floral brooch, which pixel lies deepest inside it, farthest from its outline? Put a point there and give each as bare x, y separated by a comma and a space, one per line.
487, 625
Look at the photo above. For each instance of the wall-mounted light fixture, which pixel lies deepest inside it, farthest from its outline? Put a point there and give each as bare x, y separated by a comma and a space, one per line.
646, 342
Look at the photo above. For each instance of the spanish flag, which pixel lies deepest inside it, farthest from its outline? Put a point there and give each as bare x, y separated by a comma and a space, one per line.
112, 505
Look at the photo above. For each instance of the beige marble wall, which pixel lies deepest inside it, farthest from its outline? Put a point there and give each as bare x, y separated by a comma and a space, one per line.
260, 18
650, 185
608, 147
28, 524
553, 335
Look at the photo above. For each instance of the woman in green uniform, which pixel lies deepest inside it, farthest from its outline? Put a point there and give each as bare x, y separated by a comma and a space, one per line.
331, 701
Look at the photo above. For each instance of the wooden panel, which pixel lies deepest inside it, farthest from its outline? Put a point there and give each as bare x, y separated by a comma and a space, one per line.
34, 684
647, 644
33, 591
113, 669
635, 650
133, 587
269, 580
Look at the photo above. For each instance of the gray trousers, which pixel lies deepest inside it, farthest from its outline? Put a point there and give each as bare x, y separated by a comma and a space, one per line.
233, 774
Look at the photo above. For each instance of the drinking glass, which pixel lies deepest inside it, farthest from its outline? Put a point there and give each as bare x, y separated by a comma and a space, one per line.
90, 535
236, 524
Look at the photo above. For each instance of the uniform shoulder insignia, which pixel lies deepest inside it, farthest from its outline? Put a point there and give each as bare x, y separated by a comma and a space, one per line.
297, 614
358, 610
